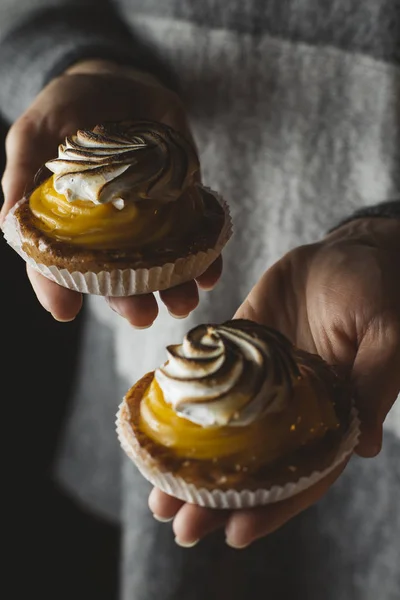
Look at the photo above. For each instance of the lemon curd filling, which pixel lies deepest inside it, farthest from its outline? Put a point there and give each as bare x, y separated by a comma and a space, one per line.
103, 226
306, 418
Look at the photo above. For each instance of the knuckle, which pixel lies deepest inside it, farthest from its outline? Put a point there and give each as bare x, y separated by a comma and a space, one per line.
24, 126
385, 327
175, 100
4, 180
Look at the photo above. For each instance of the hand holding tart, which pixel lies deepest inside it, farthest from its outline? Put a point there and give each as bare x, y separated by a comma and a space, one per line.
237, 417
120, 212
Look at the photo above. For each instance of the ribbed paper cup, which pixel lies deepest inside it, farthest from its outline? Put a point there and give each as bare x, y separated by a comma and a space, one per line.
126, 282
229, 499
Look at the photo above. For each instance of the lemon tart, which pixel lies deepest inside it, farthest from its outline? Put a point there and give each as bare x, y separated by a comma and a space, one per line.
121, 211
237, 414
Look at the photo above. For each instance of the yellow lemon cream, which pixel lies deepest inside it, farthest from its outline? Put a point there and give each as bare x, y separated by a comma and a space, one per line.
229, 391
105, 226
121, 185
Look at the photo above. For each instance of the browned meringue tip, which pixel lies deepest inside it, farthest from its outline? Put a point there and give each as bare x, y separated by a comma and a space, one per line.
145, 159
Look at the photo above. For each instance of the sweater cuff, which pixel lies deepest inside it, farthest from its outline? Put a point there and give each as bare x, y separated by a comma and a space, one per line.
52, 40
386, 210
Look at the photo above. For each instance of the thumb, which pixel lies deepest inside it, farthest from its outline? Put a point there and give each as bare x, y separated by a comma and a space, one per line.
27, 148
376, 377
264, 302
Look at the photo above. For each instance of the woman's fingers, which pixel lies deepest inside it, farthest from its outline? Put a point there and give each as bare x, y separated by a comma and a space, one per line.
242, 527
28, 147
62, 303
192, 523
163, 506
247, 525
141, 311
210, 277
181, 299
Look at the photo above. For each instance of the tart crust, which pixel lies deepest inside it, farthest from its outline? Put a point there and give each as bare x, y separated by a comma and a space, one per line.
226, 474
47, 251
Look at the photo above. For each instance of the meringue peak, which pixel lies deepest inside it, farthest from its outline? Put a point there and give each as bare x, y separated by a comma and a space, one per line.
228, 374
127, 160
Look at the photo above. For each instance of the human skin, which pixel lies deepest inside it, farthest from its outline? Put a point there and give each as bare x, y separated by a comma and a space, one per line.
88, 93
339, 297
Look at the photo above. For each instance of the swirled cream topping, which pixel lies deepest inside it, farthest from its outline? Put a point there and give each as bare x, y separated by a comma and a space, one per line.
126, 161
229, 374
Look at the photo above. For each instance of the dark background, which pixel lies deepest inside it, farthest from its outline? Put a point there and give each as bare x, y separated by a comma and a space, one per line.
57, 550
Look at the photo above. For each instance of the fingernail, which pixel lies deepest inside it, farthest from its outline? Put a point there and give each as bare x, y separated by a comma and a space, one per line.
62, 320
236, 546
186, 544
142, 326
163, 519
178, 316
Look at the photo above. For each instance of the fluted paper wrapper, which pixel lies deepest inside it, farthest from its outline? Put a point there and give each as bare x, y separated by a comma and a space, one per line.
127, 282
229, 499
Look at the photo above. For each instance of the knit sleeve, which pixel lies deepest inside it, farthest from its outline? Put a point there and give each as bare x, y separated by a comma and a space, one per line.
388, 210
41, 38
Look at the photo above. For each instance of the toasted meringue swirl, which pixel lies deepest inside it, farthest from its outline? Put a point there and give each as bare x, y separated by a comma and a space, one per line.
125, 161
229, 374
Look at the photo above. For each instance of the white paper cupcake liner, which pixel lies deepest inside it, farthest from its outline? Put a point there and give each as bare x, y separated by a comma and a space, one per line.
229, 499
126, 282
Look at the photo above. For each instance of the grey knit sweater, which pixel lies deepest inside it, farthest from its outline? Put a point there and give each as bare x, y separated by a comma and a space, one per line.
295, 108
